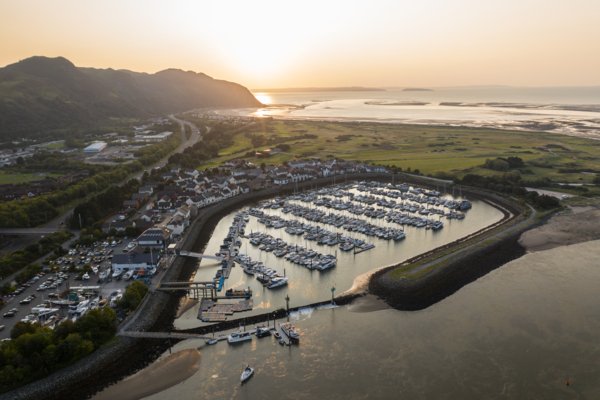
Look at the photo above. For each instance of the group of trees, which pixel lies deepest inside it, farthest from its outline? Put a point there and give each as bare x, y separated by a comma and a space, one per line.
12, 262
150, 154
36, 351
504, 164
38, 210
134, 293
509, 183
95, 209
219, 137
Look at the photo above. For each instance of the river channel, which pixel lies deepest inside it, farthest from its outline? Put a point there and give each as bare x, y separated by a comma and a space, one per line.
527, 330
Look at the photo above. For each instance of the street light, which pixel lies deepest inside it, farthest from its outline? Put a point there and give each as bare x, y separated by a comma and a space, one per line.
332, 294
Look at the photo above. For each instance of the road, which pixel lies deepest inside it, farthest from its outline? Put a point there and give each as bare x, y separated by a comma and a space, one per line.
58, 223
28, 231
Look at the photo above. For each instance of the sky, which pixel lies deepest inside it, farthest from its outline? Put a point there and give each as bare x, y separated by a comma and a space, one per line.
270, 44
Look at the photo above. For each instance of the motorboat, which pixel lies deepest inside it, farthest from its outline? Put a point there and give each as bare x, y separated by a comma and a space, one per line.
262, 331
247, 373
290, 331
238, 337
277, 281
212, 341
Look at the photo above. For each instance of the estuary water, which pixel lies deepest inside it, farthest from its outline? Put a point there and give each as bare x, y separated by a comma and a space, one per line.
565, 110
527, 330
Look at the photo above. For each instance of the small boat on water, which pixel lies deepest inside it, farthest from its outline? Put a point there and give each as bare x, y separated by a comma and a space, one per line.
238, 337
262, 331
212, 341
290, 331
247, 373
277, 281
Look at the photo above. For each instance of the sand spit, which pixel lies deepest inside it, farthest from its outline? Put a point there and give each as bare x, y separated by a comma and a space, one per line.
579, 224
159, 376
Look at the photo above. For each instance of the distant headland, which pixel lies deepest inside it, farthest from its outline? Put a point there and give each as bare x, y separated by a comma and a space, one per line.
321, 89
416, 89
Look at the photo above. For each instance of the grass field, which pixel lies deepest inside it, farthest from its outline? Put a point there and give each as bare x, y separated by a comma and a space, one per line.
16, 178
430, 149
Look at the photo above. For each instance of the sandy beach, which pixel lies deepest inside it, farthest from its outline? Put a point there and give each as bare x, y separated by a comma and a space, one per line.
159, 376
577, 225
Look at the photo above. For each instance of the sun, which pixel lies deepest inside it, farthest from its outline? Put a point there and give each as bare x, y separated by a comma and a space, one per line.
263, 98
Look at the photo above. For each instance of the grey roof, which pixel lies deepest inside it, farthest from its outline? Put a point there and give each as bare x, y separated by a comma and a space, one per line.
135, 258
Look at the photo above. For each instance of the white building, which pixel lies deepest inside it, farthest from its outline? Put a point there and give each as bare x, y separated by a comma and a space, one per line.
134, 261
95, 147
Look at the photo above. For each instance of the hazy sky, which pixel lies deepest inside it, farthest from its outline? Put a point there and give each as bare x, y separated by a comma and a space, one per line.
319, 43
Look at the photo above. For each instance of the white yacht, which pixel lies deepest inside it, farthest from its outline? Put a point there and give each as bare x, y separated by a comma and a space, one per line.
247, 373
239, 336
277, 281
290, 331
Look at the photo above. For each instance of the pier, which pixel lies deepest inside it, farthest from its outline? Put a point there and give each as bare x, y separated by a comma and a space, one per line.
163, 335
212, 311
185, 253
198, 290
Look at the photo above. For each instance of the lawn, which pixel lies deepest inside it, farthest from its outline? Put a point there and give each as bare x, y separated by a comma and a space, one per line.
7, 178
430, 149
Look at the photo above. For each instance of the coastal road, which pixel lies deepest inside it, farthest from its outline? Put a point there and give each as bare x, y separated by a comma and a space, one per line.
57, 223
28, 231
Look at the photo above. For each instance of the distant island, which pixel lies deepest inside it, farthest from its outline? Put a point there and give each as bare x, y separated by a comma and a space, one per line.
321, 89
416, 89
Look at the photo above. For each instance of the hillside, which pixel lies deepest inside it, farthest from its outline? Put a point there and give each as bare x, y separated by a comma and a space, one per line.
39, 95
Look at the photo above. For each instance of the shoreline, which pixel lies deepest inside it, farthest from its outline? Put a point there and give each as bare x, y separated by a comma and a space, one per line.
553, 127
125, 356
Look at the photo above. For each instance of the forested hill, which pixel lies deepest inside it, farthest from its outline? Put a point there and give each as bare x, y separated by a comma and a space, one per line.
40, 94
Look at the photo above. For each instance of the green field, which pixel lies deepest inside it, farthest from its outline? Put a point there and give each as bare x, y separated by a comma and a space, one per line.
430, 149
16, 178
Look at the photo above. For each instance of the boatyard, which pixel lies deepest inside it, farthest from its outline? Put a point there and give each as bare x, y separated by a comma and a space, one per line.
311, 244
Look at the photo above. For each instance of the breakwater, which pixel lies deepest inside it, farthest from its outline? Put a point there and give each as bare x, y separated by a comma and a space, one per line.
448, 268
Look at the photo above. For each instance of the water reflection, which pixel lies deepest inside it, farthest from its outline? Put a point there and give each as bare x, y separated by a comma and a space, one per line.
308, 286
521, 332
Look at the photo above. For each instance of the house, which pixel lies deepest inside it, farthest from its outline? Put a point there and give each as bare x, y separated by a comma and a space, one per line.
281, 179
116, 225
154, 237
146, 189
131, 204
164, 203
177, 225
134, 261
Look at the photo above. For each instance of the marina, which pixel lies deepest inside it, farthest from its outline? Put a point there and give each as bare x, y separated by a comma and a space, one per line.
298, 247
481, 332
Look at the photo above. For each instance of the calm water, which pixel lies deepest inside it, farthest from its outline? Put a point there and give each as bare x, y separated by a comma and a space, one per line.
306, 286
520, 332
566, 110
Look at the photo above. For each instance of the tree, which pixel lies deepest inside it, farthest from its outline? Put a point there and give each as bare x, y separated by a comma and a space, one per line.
133, 295
98, 325
22, 328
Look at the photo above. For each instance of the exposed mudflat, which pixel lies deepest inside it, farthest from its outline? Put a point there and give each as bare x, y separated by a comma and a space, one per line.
577, 225
159, 376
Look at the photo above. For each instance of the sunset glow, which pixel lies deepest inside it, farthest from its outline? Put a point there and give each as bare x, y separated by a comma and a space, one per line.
266, 44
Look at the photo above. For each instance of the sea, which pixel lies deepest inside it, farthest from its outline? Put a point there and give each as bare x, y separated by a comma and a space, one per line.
565, 110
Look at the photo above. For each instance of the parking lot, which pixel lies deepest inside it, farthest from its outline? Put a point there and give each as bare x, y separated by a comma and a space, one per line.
85, 266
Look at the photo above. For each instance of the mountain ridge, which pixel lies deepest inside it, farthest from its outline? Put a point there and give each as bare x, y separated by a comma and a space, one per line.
39, 95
